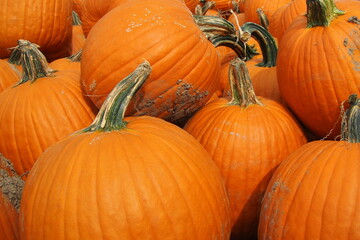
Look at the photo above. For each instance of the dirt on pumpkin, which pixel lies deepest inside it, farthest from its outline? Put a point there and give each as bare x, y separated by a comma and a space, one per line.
11, 184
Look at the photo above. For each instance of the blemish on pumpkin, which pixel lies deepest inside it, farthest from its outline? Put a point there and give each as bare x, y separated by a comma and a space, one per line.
354, 19
11, 183
346, 41
92, 85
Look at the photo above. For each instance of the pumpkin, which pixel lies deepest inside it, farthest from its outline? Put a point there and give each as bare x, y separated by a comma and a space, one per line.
46, 23
314, 192
185, 64
125, 178
41, 109
9, 220
9, 74
268, 7
284, 16
247, 138
318, 64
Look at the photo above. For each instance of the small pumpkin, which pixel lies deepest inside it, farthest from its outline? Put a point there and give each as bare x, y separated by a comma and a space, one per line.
313, 194
44, 107
247, 138
126, 179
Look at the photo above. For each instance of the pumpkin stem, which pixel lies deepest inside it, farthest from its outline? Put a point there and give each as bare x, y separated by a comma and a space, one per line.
202, 10
76, 57
75, 19
221, 32
321, 12
33, 62
266, 41
350, 125
242, 90
111, 114
264, 21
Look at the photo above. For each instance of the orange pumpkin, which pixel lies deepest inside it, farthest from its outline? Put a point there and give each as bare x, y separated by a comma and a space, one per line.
314, 192
46, 23
126, 179
77, 7
9, 219
247, 138
43, 108
318, 64
268, 7
284, 16
185, 64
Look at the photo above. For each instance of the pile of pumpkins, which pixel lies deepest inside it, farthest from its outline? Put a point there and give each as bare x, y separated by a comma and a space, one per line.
181, 119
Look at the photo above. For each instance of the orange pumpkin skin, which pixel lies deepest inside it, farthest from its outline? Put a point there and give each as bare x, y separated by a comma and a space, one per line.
9, 74
65, 64
46, 23
150, 180
39, 114
269, 7
225, 4
318, 68
191, 4
246, 144
313, 194
185, 64
9, 220
283, 17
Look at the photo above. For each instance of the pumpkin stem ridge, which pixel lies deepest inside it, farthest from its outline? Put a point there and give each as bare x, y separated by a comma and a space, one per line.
111, 114
242, 90
350, 125
321, 12
33, 62
75, 19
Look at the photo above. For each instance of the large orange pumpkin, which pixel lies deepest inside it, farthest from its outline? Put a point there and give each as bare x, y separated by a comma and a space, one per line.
185, 64
41, 109
247, 138
126, 179
46, 23
314, 192
318, 63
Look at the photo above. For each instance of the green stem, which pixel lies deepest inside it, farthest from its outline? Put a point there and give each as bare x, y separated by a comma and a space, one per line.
218, 29
242, 90
33, 62
321, 12
76, 57
111, 114
202, 10
75, 19
267, 43
264, 21
350, 125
